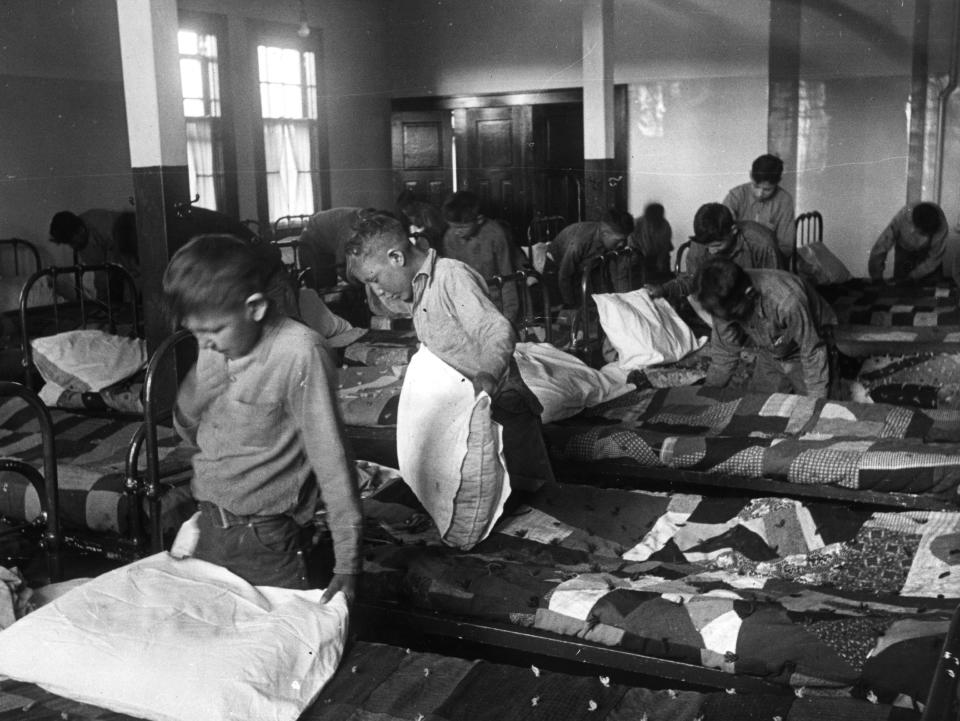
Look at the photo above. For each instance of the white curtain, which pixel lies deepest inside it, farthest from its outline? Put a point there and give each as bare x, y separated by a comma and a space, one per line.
288, 155
200, 165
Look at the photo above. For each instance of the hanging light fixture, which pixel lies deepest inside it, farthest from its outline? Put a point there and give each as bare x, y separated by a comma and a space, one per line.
304, 29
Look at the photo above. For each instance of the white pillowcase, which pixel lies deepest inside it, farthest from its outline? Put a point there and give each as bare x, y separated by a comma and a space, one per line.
644, 331
87, 360
451, 451
179, 640
563, 383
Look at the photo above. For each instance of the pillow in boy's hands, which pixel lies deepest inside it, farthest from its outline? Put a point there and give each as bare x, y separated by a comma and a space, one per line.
642, 330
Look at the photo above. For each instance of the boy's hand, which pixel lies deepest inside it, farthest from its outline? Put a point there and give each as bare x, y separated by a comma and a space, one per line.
206, 380
484, 382
655, 291
345, 582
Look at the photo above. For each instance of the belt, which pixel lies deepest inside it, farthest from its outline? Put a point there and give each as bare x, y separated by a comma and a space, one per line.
227, 519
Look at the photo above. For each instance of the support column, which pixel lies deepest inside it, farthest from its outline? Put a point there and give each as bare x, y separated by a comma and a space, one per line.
603, 188
158, 145
918, 100
783, 104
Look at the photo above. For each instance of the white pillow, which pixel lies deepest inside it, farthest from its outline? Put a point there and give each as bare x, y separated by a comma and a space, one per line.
563, 383
451, 451
176, 640
87, 360
643, 331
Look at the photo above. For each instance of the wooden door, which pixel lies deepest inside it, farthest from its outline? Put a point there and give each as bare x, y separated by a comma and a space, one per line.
496, 154
557, 171
422, 154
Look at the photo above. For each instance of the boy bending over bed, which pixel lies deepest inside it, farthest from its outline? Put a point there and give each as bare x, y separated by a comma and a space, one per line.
260, 405
776, 314
457, 321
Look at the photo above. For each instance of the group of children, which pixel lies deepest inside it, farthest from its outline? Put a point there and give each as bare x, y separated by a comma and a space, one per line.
260, 402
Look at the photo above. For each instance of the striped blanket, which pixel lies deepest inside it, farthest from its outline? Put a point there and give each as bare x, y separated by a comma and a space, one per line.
91, 455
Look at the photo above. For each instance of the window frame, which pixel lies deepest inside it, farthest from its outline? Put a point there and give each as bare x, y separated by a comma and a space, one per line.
286, 36
223, 126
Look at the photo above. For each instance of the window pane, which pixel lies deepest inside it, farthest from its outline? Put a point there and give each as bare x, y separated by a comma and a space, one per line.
193, 108
191, 78
201, 166
187, 42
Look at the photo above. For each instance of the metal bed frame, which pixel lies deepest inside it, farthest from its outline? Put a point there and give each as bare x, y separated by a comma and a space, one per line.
16, 244
45, 483
110, 311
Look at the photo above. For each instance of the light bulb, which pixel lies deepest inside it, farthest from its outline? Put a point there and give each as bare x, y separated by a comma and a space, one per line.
304, 30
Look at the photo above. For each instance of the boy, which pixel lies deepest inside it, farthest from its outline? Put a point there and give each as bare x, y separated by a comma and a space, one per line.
763, 201
716, 234
97, 237
775, 313
260, 406
653, 237
578, 244
480, 243
455, 319
918, 235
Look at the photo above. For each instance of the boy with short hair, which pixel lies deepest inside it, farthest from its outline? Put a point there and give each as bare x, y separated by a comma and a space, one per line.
918, 236
717, 234
261, 408
482, 244
763, 201
775, 313
578, 244
454, 317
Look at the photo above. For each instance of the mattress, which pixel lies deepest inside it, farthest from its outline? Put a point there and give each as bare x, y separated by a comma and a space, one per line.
811, 595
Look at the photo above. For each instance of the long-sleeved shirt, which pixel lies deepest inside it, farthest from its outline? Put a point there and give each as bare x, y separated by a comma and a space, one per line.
273, 440
786, 324
488, 252
457, 321
323, 244
754, 247
775, 212
916, 255
581, 243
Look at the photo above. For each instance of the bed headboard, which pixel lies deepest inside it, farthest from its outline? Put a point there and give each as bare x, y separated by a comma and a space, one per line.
117, 312
24, 256
596, 277
533, 298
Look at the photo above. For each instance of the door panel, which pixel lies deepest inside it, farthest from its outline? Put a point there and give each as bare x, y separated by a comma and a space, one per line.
422, 145
496, 161
557, 172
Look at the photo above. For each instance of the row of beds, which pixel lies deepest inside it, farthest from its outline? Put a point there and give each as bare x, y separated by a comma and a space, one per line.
764, 554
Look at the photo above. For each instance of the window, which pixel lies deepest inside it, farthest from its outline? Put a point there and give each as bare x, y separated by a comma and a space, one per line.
200, 83
288, 108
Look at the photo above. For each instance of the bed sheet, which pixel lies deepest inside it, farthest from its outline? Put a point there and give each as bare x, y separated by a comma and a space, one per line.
814, 595
376, 680
776, 436
91, 455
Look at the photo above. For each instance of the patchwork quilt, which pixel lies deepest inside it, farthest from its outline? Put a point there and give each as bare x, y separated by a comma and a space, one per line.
775, 436
923, 380
815, 595
91, 468
377, 681
864, 302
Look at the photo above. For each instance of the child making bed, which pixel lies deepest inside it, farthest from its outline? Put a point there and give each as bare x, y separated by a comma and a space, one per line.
456, 320
261, 407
